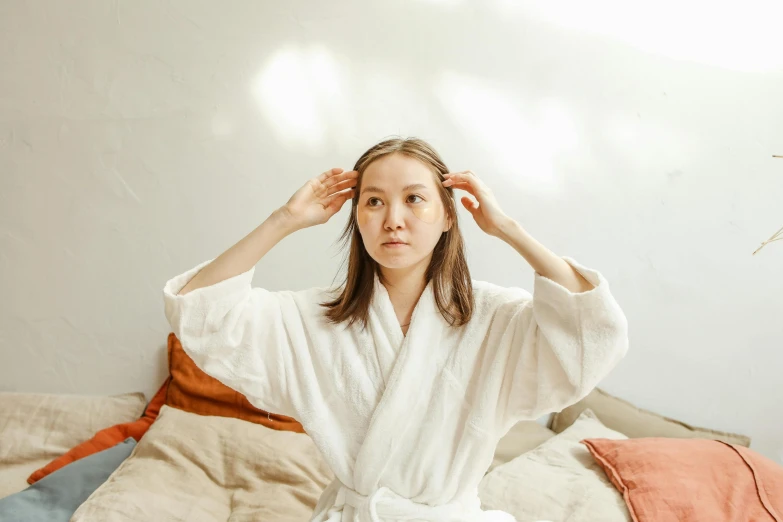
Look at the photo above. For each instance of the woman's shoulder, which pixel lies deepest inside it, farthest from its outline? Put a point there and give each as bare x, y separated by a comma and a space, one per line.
310, 295
309, 301
486, 291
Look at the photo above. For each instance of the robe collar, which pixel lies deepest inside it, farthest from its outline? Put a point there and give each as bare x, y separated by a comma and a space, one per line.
383, 307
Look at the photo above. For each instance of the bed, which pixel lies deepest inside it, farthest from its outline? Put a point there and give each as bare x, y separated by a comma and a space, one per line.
198, 452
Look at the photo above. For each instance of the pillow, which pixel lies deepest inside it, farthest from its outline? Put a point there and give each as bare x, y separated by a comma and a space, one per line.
194, 467
35, 428
13, 477
634, 422
193, 390
522, 437
559, 480
56, 497
107, 437
689, 480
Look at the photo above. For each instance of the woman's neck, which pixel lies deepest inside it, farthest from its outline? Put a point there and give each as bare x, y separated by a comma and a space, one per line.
405, 287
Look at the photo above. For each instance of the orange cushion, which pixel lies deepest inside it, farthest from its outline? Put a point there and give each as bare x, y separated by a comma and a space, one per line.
683, 480
106, 438
193, 390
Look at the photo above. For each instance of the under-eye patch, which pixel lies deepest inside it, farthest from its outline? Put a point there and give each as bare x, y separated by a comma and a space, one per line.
362, 215
427, 211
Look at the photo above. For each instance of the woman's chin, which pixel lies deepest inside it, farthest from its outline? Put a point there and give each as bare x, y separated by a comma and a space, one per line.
394, 259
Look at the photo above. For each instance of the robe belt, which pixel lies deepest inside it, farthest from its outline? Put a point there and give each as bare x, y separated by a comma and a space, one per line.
384, 504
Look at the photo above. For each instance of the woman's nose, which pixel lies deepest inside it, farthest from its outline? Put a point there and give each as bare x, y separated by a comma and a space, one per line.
395, 216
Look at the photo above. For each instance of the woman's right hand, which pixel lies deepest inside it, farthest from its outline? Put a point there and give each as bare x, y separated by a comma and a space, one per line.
321, 197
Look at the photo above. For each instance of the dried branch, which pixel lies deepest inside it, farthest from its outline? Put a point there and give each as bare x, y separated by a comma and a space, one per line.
777, 236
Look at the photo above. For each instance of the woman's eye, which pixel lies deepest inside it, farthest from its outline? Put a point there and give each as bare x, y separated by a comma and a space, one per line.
415, 196
370, 201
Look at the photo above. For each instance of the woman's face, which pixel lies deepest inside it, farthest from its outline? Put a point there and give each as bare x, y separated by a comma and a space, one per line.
399, 201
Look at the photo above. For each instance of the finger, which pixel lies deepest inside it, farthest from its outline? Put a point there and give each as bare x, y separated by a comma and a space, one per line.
468, 180
329, 173
345, 193
335, 179
455, 179
322, 186
342, 185
468, 187
466, 175
461, 173
338, 200
469, 204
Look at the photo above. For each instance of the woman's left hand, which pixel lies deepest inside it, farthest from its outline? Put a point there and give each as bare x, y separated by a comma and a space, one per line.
488, 215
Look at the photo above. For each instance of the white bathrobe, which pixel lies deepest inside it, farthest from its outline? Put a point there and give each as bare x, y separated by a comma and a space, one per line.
407, 423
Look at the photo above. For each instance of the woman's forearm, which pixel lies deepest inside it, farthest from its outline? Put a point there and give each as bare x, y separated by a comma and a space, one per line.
543, 261
246, 253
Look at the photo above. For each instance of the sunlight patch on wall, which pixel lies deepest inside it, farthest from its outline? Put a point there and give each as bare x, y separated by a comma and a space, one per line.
742, 36
523, 138
299, 91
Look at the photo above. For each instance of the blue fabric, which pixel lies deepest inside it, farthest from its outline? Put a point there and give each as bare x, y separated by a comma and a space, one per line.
56, 497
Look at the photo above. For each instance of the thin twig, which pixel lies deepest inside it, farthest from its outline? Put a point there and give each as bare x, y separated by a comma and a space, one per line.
770, 240
776, 234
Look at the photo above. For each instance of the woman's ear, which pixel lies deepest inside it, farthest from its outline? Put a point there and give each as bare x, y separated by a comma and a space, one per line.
448, 224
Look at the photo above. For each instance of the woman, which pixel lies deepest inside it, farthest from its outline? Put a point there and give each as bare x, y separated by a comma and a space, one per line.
408, 375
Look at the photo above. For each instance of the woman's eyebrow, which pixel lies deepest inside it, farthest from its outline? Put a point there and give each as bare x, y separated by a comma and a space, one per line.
414, 186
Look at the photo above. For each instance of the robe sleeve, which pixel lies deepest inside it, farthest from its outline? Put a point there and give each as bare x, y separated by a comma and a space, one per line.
560, 345
237, 334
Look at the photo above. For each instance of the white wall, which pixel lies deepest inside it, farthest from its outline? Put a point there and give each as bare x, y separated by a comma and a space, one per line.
140, 138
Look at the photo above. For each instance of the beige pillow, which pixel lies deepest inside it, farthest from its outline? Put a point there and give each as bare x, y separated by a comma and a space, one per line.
36, 428
13, 477
195, 468
634, 422
522, 437
559, 480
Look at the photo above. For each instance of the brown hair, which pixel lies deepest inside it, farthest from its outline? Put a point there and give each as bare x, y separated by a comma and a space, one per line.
448, 269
